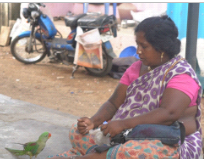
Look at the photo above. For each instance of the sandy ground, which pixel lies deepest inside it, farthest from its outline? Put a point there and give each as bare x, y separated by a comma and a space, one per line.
50, 85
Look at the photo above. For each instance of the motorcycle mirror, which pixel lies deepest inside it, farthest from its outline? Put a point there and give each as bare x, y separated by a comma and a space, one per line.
43, 5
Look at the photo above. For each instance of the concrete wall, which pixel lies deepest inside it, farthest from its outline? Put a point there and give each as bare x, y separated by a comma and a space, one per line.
150, 6
78, 8
61, 9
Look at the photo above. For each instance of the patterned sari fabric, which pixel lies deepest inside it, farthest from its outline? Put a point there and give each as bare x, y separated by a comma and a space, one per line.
81, 144
141, 149
144, 95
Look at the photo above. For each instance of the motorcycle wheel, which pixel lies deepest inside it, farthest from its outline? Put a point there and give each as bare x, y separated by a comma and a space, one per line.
107, 65
19, 50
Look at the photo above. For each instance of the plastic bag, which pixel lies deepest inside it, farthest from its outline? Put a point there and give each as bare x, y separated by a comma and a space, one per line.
88, 51
99, 138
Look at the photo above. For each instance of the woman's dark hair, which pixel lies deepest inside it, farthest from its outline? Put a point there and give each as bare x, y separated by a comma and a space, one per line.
161, 33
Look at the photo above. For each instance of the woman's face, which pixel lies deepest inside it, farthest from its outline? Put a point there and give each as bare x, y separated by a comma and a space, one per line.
147, 53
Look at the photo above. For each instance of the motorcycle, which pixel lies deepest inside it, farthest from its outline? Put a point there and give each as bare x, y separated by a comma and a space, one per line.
44, 39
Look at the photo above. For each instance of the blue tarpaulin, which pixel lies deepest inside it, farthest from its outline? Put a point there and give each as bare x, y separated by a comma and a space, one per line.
179, 14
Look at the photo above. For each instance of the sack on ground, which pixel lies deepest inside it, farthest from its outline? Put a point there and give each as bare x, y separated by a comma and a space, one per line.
120, 65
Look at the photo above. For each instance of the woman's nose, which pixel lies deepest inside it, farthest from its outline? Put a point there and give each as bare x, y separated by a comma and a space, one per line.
139, 51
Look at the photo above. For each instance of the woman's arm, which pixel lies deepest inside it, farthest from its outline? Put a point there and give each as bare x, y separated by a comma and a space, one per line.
109, 108
105, 112
173, 105
188, 119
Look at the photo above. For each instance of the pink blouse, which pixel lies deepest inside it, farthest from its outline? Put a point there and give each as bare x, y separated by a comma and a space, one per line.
188, 86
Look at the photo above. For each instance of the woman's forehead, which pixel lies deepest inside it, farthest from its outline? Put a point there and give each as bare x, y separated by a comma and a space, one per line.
140, 37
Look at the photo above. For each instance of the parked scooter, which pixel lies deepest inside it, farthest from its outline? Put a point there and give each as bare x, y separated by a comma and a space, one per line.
44, 39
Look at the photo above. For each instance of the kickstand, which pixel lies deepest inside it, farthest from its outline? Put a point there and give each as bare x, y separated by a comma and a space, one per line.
74, 70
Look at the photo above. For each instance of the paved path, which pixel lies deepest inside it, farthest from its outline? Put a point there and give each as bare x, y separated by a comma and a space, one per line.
21, 122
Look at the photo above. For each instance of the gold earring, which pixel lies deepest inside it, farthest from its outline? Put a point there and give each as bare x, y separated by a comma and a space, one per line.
162, 55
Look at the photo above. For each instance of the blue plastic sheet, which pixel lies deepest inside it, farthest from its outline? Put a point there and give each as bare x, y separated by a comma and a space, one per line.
179, 14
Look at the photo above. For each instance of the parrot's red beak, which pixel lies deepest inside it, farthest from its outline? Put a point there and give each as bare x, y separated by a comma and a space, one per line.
49, 136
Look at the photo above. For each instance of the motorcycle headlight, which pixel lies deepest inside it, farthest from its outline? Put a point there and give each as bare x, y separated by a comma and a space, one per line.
35, 14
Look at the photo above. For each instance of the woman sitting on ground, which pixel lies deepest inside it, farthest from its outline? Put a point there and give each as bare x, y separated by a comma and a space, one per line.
160, 88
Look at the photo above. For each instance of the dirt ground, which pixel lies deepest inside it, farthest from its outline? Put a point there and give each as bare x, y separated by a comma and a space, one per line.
49, 85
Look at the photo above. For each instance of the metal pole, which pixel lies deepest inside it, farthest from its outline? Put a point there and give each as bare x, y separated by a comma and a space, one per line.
85, 7
114, 9
107, 8
192, 33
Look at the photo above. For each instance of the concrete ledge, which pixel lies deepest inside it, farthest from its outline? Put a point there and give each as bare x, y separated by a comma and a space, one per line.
22, 122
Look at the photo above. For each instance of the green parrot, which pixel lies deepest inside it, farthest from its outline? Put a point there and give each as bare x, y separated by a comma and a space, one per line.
32, 148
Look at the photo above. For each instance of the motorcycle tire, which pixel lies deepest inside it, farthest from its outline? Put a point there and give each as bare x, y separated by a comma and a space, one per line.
20, 44
107, 65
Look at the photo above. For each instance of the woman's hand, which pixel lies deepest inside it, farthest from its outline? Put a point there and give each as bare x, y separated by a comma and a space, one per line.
112, 127
84, 125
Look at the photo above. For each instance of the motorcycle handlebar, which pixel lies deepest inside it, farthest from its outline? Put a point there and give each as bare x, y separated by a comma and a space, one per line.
41, 4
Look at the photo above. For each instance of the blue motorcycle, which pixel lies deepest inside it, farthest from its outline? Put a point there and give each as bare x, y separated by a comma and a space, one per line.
44, 39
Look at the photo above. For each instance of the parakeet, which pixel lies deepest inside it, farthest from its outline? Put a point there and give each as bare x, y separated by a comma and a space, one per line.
32, 148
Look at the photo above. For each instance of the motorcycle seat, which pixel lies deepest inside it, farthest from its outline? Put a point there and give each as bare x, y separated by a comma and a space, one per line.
95, 20
71, 21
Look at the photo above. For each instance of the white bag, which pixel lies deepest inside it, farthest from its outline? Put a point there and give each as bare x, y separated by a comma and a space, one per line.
88, 51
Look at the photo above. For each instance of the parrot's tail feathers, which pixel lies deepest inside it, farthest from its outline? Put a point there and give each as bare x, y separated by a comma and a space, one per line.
16, 152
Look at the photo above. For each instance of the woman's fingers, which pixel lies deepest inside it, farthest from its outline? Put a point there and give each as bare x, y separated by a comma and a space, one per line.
104, 126
104, 129
84, 125
81, 124
83, 130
